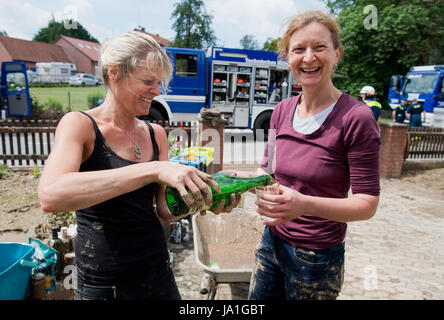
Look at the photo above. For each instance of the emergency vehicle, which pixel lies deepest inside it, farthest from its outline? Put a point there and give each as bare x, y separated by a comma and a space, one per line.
244, 85
424, 83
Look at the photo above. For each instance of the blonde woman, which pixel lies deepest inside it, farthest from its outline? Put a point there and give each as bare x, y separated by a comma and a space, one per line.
109, 167
322, 142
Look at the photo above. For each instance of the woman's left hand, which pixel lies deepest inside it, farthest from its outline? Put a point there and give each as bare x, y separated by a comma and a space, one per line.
234, 199
234, 202
286, 206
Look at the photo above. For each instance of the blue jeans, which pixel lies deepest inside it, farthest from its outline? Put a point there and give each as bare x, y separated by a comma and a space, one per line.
415, 120
159, 285
283, 271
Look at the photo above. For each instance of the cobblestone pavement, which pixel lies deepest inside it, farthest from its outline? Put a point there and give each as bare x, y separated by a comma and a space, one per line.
397, 255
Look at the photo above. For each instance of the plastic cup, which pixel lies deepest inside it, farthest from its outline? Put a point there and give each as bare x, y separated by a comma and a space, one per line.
270, 189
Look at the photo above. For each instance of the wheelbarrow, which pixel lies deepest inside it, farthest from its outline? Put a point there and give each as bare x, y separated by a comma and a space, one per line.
224, 247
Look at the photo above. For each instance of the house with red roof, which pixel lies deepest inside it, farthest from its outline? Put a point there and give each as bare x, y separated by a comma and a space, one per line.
31, 52
162, 41
85, 54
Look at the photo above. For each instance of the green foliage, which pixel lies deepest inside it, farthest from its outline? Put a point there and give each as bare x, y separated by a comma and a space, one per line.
5, 172
36, 106
36, 172
54, 104
47, 85
55, 29
52, 108
271, 44
93, 98
192, 25
248, 41
62, 218
408, 33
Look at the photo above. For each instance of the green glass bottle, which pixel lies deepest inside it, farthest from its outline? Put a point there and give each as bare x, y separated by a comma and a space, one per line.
228, 184
56, 243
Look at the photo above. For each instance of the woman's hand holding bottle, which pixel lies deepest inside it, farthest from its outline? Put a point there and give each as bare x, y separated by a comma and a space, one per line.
192, 184
229, 195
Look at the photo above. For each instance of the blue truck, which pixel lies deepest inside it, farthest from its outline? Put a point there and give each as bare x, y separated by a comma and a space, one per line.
425, 84
244, 85
15, 100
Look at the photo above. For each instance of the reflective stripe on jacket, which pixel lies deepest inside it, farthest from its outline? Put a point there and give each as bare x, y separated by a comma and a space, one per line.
373, 103
375, 106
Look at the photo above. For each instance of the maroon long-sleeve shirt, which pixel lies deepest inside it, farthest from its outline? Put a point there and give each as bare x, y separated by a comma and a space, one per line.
343, 152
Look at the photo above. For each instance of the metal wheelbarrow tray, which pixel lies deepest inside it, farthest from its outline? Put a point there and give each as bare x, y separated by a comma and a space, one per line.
228, 240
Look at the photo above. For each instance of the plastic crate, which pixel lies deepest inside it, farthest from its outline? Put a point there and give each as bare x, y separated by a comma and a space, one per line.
202, 151
14, 273
199, 162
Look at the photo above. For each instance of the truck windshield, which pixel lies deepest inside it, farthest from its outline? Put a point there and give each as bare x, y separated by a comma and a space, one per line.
423, 83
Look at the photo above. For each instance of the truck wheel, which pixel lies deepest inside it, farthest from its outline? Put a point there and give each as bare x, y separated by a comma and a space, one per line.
262, 122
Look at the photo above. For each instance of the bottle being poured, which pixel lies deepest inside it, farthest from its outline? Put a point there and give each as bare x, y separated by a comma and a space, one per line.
229, 184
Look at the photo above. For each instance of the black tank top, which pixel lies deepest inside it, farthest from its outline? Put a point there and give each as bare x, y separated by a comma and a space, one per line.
119, 239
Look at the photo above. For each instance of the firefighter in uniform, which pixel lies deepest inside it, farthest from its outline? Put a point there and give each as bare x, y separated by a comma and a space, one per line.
414, 114
368, 97
399, 112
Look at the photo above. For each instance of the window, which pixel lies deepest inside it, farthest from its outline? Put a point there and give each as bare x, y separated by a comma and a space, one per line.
186, 65
15, 81
64, 71
424, 83
396, 83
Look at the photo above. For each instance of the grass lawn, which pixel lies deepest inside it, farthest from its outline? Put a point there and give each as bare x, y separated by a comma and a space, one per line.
78, 95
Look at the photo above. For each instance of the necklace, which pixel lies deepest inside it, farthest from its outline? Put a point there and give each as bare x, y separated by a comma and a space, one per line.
137, 150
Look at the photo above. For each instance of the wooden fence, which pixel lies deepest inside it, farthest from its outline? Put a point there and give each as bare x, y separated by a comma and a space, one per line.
425, 143
27, 143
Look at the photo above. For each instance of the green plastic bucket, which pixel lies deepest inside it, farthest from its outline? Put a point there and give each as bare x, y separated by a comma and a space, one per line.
15, 270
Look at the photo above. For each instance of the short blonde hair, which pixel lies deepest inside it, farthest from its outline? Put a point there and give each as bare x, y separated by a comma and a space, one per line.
128, 51
301, 20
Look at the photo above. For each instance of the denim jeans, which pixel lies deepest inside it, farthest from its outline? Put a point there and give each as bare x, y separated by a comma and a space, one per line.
159, 285
415, 120
283, 271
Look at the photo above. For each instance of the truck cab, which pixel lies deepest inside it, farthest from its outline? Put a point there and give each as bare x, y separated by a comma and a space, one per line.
424, 83
186, 92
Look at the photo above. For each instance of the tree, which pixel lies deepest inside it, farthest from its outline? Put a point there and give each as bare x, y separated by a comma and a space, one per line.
55, 29
271, 44
3, 33
248, 41
405, 33
192, 25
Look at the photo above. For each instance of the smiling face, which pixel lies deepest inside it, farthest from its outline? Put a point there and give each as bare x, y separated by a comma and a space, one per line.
136, 92
311, 55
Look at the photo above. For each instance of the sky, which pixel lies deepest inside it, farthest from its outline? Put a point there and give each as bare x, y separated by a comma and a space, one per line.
105, 19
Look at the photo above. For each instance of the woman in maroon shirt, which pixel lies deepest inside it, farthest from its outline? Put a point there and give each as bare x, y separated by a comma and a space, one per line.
321, 143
